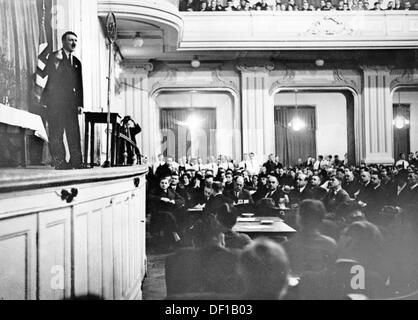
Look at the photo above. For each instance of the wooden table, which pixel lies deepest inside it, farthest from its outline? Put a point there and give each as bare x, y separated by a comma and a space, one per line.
28, 123
256, 229
91, 118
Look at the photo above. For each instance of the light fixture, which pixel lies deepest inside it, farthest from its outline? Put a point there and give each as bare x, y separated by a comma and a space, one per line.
320, 63
138, 41
400, 121
193, 122
195, 62
297, 124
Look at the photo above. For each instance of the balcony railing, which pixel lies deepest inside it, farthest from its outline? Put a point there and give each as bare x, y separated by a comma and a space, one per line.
299, 30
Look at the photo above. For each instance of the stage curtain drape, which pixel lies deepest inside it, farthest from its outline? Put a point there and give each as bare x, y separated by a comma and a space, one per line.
19, 37
290, 144
401, 136
179, 141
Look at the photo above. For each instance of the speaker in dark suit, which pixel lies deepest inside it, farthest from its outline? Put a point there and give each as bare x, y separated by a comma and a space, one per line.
63, 96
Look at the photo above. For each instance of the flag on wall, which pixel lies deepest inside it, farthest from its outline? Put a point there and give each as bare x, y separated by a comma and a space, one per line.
43, 53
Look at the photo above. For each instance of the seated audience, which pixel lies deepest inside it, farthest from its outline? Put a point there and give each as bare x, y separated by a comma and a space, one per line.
356, 271
166, 207
336, 197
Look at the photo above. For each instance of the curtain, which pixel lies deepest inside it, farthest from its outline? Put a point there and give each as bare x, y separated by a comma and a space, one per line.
179, 140
19, 36
401, 135
290, 144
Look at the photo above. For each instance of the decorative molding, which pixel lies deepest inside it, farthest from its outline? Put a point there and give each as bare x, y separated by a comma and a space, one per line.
340, 79
217, 82
375, 68
406, 78
287, 80
246, 67
329, 26
137, 67
226, 83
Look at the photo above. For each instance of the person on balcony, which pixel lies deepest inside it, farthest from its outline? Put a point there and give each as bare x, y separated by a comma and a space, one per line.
187, 5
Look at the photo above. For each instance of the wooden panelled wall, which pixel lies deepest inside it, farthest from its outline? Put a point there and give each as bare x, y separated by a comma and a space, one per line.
94, 246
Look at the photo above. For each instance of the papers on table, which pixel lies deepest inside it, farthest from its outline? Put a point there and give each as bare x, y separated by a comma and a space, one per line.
247, 220
23, 119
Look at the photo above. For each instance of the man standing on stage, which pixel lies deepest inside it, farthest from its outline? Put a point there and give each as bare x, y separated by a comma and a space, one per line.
63, 97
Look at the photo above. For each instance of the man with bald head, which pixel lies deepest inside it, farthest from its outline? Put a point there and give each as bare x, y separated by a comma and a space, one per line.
242, 198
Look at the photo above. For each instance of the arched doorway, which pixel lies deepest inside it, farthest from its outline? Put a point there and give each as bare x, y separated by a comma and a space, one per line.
312, 122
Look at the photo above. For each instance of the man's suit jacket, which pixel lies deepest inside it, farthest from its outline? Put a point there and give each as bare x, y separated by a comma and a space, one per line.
158, 205
64, 87
365, 193
408, 197
318, 192
270, 166
295, 196
277, 195
243, 200
351, 187
215, 202
377, 200
335, 202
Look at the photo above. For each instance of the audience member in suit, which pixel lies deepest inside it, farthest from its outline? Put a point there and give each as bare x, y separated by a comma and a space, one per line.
377, 199
218, 264
166, 205
227, 215
208, 267
217, 199
261, 188
283, 178
242, 198
166, 169
351, 185
270, 165
302, 191
366, 187
388, 185
317, 191
409, 194
229, 184
264, 270
202, 198
336, 197
360, 245
274, 192
309, 250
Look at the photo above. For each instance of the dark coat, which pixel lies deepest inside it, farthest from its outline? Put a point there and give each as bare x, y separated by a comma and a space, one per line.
64, 87
335, 202
215, 202
295, 196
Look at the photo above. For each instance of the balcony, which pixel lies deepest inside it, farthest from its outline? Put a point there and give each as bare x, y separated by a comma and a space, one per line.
170, 31
299, 30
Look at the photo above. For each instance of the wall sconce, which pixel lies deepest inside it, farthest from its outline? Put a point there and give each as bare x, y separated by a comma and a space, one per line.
195, 62
138, 41
320, 63
297, 124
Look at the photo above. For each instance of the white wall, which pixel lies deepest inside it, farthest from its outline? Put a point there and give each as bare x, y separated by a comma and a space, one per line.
223, 103
331, 119
412, 99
